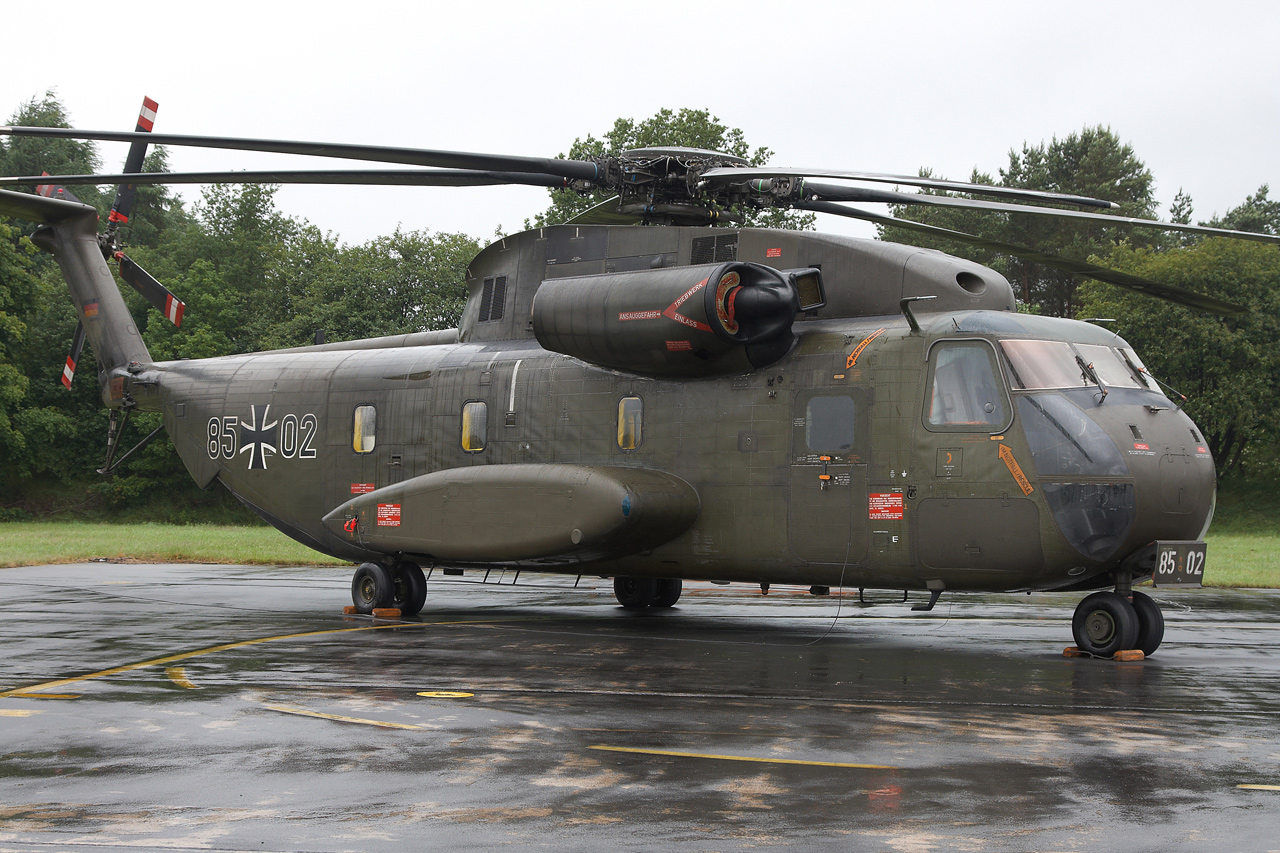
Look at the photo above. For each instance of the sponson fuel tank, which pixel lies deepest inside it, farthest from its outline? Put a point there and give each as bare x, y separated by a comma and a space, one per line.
521, 514
706, 320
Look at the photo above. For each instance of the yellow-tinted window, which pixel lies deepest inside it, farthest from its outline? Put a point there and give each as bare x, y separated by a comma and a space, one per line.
630, 422
475, 425
363, 436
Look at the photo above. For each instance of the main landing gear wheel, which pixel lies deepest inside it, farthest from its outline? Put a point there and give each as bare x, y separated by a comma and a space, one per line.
1150, 623
635, 593
668, 592
371, 588
408, 588
1105, 623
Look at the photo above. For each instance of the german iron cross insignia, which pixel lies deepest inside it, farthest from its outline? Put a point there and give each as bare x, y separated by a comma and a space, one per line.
258, 441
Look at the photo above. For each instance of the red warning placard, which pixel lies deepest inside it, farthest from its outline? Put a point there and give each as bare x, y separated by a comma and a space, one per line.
388, 515
885, 506
362, 488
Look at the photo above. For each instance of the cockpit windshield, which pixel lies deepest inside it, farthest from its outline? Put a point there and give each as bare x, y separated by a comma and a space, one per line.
1042, 365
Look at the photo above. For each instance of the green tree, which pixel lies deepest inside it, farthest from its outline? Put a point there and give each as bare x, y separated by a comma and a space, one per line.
1228, 367
1093, 162
409, 282
1257, 213
686, 128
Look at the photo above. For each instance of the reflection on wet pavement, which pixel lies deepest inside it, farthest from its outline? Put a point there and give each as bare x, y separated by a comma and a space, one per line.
237, 708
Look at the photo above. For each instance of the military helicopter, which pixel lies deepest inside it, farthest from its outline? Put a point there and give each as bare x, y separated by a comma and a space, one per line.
654, 392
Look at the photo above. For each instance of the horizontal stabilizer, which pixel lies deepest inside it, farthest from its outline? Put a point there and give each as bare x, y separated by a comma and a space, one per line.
520, 514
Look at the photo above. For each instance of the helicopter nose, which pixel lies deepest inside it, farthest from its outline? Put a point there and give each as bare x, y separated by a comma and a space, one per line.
1117, 477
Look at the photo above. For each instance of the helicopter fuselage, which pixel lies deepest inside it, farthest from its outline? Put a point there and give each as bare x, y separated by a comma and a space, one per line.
957, 445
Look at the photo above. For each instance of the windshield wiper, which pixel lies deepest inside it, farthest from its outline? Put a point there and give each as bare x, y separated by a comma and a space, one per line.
1089, 374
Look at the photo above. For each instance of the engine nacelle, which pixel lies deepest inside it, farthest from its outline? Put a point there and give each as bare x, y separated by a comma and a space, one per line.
709, 320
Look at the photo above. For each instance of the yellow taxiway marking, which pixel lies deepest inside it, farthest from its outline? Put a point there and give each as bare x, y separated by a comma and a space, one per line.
446, 694
303, 712
29, 692
178, 675
9, 712
679, 754
1260, 787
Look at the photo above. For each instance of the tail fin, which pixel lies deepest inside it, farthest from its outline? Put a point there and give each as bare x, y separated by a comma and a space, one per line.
70, 232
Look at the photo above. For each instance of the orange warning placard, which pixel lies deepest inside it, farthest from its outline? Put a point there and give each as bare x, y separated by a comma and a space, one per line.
1015, 469
885, 506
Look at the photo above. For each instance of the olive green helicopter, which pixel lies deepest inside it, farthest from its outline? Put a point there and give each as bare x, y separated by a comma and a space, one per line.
654, 392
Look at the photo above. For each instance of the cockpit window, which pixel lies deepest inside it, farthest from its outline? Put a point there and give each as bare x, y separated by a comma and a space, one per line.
1039, 365
963, 390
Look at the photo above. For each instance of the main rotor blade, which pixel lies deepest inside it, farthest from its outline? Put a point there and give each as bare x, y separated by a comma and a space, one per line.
376, 177
1167, 292
834, 192
573, 169
733, 175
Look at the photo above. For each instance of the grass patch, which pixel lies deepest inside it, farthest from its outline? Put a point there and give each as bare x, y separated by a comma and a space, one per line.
1243, 560
1244, 542
38, 543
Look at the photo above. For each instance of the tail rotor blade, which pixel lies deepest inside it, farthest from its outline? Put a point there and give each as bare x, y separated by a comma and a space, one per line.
77, 345
123, 205
56, 191
152, 290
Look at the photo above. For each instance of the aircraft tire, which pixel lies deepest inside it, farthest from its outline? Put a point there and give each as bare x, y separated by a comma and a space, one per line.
1105, 623
1150, 623
635, 593
668, 592
409, 588
371, 587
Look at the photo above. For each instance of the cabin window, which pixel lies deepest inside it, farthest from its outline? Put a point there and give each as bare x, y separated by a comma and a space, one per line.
475, 425
630, 422
963, 390
829, 424
364, 431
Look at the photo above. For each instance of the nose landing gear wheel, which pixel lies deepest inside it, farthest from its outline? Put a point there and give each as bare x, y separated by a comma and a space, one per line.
1150, 623
371, 587
1105, 623
408, 588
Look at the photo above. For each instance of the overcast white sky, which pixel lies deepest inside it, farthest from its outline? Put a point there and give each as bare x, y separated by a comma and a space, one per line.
880, 86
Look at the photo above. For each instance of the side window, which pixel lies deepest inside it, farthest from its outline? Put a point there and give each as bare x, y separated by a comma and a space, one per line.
830, 424
364, 430
963, 390
630, 422
475, 425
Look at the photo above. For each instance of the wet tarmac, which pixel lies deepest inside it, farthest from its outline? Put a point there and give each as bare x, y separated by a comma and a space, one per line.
236, 708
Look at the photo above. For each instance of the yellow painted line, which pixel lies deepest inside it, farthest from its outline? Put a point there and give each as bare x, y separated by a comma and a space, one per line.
1260, 787
679, 754
8, 712
446, 694
178, 675
28, 692
303, 712
19, 695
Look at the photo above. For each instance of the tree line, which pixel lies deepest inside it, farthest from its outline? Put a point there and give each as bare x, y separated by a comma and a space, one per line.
255, 279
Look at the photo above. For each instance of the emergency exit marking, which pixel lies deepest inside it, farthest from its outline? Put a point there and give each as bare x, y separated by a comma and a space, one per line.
885, 506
